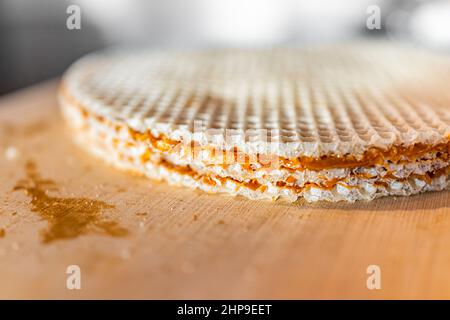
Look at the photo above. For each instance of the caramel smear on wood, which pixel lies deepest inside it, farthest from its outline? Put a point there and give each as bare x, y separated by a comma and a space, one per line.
68, 217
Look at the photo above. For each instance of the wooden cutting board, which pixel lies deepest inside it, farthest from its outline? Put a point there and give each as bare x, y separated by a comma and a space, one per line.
134, 238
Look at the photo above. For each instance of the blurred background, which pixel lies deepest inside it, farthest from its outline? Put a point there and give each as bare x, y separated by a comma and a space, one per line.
37, 44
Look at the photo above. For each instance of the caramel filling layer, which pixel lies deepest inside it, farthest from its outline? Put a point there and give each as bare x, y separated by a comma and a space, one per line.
253, 184
373, 156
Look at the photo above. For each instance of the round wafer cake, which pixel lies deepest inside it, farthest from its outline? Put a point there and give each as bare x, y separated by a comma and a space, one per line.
333, 123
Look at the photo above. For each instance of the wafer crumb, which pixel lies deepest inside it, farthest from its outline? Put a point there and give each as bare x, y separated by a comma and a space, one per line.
11, 153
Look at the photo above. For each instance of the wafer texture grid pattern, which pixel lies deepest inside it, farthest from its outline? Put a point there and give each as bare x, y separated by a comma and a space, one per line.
312, 102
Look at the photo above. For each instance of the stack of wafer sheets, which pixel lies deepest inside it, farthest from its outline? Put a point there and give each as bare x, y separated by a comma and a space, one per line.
334, 123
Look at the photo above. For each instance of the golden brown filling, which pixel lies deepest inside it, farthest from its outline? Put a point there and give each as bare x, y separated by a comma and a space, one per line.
253, 184
371, 157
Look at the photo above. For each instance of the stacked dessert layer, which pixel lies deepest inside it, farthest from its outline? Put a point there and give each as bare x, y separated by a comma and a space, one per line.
342, 123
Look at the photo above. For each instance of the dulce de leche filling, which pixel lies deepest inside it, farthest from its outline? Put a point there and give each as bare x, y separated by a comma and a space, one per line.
371, 157
253, 184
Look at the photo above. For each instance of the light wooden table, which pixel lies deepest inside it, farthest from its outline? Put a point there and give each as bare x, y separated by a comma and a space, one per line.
143, 239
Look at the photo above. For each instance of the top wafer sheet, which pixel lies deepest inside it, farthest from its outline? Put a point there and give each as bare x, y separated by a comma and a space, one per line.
311, 102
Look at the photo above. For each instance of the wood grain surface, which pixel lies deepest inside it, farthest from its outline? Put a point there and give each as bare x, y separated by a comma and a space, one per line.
135, 238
